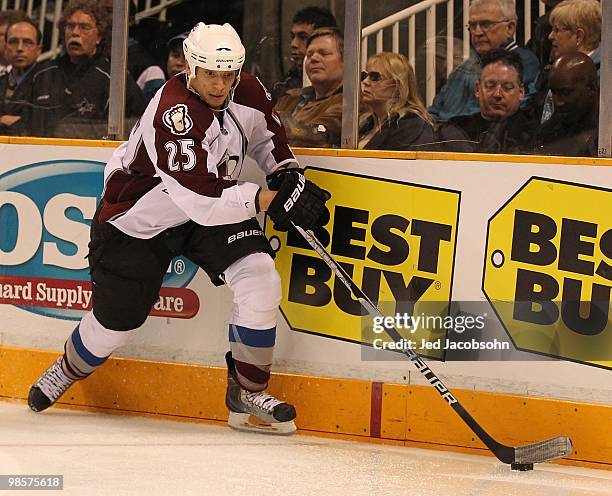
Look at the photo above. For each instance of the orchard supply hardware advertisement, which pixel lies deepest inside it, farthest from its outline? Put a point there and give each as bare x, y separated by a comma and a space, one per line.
45, 212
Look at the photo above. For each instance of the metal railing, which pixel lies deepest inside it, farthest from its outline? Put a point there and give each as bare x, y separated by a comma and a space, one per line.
430, 7
47, 13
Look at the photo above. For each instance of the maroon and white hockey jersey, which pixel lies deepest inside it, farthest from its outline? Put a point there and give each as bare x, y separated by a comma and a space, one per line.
172, 167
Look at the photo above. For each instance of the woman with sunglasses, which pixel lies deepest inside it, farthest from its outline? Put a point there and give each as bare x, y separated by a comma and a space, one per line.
394, 116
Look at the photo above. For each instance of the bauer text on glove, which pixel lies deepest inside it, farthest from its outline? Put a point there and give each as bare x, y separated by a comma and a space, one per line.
297, 200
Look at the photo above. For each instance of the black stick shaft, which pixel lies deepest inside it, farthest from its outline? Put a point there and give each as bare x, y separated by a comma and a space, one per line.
506, 454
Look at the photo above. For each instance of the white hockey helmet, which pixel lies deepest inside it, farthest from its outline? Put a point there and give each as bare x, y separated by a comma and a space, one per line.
213, 47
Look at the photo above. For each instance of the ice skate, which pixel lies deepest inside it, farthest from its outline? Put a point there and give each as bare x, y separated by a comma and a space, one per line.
49, 387
272, 416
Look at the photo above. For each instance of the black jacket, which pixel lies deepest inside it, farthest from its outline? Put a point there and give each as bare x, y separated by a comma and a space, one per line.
87, 89
37, 99
408, 133
539, 42
291, 80
573, 136
512, 135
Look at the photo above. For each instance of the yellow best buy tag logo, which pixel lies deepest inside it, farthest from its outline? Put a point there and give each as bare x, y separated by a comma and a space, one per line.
548, 270
396, 240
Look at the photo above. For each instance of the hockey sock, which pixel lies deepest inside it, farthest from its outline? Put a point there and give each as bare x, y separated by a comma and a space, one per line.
89, 346
252, 351
78, 361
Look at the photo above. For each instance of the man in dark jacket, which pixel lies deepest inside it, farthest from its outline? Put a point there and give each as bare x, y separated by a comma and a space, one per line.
573, 128
30, 101
500, 126
86, 73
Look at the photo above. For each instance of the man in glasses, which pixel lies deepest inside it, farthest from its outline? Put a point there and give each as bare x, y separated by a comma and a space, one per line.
500, 126
492, 24
85, 71
7, 17
27, 107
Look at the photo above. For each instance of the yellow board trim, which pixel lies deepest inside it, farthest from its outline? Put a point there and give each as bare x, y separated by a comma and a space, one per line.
19, 140
468, 157
328, 152
341, 408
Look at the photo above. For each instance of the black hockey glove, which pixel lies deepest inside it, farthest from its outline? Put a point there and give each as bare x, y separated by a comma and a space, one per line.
297, 199
275, 179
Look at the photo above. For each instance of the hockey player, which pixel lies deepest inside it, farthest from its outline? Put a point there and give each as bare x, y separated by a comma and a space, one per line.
171, 189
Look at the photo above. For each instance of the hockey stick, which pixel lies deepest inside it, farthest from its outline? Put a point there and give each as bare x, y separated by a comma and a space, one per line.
519, 457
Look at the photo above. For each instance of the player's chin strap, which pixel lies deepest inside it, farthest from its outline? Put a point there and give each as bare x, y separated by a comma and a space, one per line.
228, 100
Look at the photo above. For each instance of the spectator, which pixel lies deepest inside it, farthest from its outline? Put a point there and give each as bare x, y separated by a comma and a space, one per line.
500, 126
176, 56
7, 17
303, 24
312, 116
492, 25
576, 26
396, 118
86, 72
151, 78
141, 64
572, 129
29, 103
540, 43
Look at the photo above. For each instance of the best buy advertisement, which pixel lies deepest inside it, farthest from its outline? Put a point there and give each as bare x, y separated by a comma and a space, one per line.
397, 241
548, 270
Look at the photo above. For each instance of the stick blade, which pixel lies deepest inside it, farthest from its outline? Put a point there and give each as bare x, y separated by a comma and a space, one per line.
544, 451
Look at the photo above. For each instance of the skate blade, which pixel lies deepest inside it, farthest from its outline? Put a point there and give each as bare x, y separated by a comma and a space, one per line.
248, 423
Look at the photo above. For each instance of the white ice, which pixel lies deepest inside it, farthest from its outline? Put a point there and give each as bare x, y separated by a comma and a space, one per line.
101, 454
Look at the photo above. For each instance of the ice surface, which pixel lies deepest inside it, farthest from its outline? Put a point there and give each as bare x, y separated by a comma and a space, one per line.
101, 454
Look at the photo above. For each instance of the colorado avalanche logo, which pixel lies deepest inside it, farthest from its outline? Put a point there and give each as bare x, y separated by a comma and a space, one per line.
177, 119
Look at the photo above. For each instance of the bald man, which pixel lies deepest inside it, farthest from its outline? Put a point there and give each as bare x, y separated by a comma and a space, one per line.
573, 128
